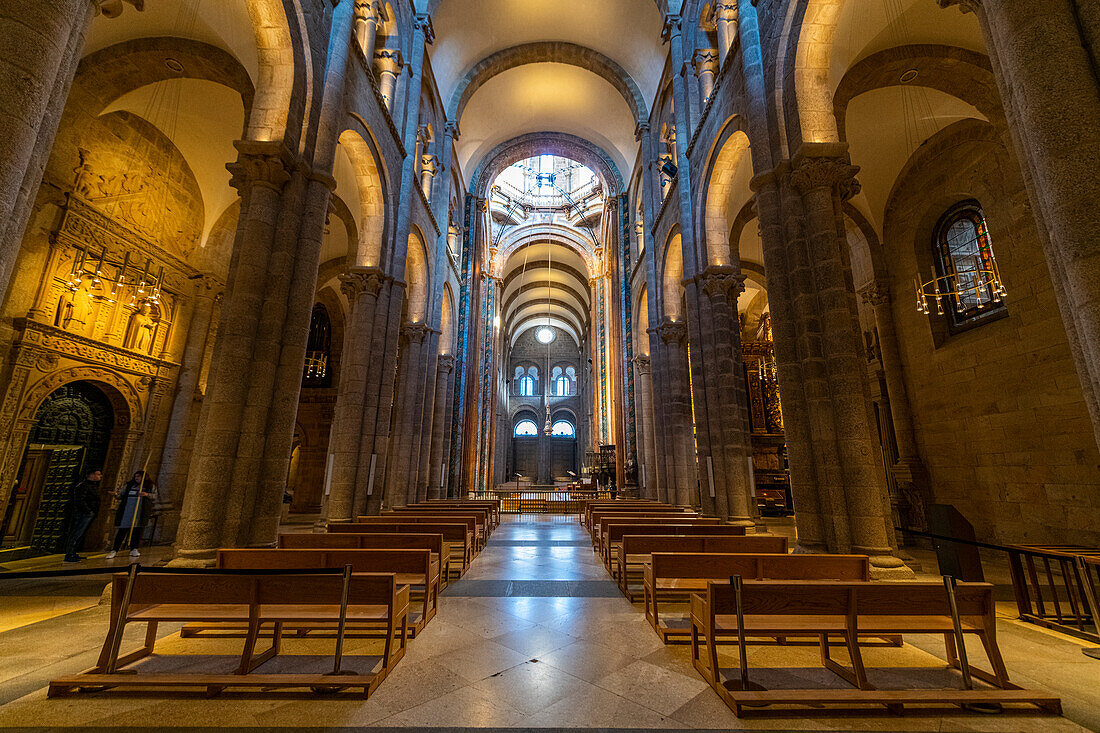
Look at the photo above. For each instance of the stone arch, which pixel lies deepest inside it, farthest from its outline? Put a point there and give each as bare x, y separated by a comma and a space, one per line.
541, 234
672, 276
284, 68
641, 322
417, 278
447, 324
721, 208
539, 52
124, 399
370, 208
546, 143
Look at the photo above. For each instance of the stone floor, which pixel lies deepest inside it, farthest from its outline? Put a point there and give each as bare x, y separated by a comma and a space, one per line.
535, 635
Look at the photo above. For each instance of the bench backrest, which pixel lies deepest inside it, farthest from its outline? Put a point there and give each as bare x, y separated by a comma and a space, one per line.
152, 588
754, 566
481, 515
361, 561
634, 544
469, 520
616, 531
380, 541
602, 519
840, 598
452, 532
626, 506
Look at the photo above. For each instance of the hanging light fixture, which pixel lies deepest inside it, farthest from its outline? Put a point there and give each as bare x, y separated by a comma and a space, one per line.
546, 380
984, 285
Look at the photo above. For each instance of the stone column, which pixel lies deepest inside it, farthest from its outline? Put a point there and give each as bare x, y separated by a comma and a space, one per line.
644, 399
173, 462
400, 488
366, 25
437, 454
909, 472
705, 65
726, 395
389, 64
429, 166
424, 416
214, 486
361, 286
42, 43
1049, 87
850, 476
682, 482
725, 21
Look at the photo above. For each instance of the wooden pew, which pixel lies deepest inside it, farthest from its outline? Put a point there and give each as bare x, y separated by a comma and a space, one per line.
634, 550
493, 505
482, 523
381, 541
598, 520
851, 611
607, 547
414, 568
471, 521
672, 576
624, 507
457, 537
312, 599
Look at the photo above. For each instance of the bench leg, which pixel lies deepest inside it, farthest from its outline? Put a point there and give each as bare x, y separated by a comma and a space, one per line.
993, 653
857, 675
249, 647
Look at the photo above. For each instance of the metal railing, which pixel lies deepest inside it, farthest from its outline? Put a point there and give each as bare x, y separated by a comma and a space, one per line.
541, 501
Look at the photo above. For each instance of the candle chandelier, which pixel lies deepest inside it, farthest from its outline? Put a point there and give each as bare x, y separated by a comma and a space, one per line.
977, 287
142, 289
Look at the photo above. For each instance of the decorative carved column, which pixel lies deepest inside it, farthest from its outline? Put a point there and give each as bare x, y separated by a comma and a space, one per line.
909, 472
366, 25
388, 64
429, 166
849, 479
705, 64
725, 21
177, 448
1041, 59
361, 286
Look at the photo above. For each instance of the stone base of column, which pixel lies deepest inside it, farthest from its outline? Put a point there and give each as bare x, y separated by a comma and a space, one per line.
885, 566
741, 521
194, 559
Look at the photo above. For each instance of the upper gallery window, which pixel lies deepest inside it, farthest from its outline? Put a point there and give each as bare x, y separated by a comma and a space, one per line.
562, 429
317, 372
964, 257
527, 384
526, 429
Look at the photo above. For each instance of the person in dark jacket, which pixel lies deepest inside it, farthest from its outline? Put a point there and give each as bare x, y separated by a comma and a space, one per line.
83, 507
135, 503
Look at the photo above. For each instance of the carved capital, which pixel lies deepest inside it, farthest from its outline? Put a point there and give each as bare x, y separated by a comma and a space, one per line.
423, 23
446, 363
451, 130
722, 281
811, 174
360, 281
415, 333
429, 164
643, 364
641, 130
724, 13
266, 164
671, 27
113, 8
366, 10
389, 61
876, 294
704, 60
673, 332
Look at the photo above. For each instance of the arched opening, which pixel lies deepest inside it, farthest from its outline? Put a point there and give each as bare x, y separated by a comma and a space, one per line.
71, 434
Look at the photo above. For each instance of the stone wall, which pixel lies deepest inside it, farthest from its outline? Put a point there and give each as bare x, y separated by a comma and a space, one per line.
1000, 418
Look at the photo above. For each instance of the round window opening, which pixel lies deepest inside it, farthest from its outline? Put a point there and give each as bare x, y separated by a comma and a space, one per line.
545, 335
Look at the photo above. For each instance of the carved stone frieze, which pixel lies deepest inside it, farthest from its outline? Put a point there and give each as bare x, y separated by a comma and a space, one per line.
815, 173
265, 164
360, 281
722, 281
42, 339
643, 364
415, 333
673, 332
446, 363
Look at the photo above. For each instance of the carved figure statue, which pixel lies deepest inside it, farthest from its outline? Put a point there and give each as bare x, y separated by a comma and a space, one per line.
140, 329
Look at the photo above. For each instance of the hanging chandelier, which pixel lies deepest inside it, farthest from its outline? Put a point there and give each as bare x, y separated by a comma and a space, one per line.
983, 286
144, 288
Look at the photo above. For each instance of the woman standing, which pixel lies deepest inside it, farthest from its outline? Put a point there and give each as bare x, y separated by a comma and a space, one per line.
135, 502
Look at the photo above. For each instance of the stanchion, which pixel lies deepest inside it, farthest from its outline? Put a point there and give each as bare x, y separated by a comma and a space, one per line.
341, 626
1090, 598
743, 684
960, 648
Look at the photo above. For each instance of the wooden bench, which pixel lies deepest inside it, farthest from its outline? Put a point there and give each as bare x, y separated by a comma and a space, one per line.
612, 529
590, 520
625, 504
380, 541
674, 576
850, 611
414, 568
457, 537
634, 550
477, 529
493, 505
482, 523
311, 599
601, 519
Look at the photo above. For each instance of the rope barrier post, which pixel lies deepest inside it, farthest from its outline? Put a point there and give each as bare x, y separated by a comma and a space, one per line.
123, 610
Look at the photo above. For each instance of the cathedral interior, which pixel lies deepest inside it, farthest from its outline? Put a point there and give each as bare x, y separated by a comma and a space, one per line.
820, 271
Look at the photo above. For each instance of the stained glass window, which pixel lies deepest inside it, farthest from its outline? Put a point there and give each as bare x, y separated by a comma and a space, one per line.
317, 371
964, 256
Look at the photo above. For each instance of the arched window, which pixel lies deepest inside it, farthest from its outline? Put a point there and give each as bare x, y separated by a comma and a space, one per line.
561, 386
526, 429
526, 386
964, 256
562, 429
318, 348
